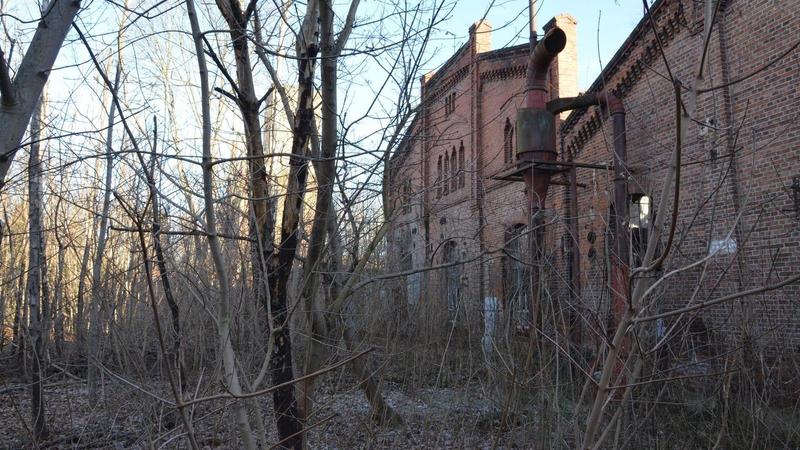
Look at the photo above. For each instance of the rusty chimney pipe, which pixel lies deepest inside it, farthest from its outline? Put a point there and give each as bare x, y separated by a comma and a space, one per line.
542, 55
536, 126
536, 142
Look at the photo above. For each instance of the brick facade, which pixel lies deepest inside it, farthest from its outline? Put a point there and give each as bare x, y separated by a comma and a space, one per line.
741, 163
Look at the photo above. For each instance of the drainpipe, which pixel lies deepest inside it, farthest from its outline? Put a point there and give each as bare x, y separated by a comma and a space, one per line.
574, 262
536, 141
621, 258
619, 265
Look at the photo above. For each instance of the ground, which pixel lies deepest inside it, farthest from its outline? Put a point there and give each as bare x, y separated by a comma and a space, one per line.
127, 418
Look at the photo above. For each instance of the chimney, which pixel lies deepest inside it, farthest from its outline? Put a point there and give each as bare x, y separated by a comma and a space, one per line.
480, 35
565, 67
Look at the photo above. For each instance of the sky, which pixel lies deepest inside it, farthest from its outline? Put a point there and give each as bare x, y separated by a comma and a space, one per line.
144, 84
509, 20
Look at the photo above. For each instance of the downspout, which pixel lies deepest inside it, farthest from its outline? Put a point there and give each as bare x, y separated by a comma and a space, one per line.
620, 260
574, 255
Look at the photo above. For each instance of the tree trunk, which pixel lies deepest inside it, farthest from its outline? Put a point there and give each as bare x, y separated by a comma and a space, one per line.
58, 303
274, 299
35, 275
4, 288
223, 319
280, 266
162, 268
95, 325
325, 170
321, 324
19, 313
79, 323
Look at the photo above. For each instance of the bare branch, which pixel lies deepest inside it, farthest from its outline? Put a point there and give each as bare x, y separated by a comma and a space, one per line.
6, 90
754, 72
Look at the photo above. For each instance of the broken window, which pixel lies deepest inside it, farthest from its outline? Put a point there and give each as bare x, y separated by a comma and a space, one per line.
640, 221
516, 275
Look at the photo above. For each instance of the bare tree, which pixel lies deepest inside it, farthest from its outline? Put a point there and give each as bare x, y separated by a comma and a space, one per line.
36, 257
20, 95
99, 294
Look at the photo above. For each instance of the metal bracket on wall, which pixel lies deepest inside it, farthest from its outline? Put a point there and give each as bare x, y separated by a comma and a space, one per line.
514, 172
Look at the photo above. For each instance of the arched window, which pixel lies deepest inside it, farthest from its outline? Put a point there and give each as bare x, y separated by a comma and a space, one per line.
453, 170
439, 178
508, 142
449, 103
407, 197
461, 171
452, 278
516, 275
446, 174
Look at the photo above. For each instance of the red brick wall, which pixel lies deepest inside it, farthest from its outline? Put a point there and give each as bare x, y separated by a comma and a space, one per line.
744, 167
488, 87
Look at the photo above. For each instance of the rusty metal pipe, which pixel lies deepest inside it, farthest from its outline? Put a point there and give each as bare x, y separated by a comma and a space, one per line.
542, 56
536, 140
620, 269
536, 126
620, 260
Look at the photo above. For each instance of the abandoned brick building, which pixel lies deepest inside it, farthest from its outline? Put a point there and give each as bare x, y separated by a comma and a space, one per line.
739, 191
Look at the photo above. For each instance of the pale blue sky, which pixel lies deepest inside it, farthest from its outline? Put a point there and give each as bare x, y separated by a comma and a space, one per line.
509, 19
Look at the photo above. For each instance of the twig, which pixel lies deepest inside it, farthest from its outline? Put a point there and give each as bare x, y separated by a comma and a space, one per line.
677, 192
303, 431
658, 40
707, 40
753, 73
663, 380
723, 299
281, 385
132, 384
65, 372
183, 233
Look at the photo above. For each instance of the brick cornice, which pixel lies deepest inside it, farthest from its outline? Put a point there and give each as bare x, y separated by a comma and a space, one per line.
626, 69
447, 83
503, 73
